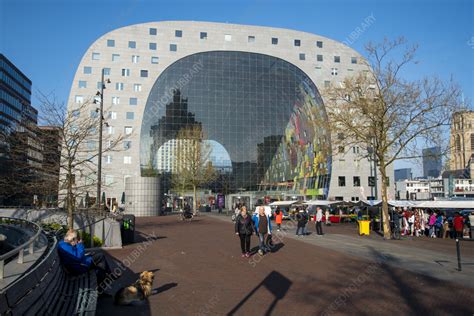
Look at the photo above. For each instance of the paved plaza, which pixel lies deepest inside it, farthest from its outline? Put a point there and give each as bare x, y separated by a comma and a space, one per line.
199, 271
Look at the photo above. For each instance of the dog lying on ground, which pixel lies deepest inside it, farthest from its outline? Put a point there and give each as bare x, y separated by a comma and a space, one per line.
138, 291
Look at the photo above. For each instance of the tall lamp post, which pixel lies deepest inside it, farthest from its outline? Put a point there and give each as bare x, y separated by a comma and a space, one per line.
101, 124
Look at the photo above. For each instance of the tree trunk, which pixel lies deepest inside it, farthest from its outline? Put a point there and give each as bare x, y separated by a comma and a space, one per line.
194, 200
69, 201
385, 216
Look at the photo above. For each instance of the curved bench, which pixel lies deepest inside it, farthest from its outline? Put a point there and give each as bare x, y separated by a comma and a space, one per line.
47, 289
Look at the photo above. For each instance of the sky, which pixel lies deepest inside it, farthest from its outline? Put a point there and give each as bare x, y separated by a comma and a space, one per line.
46, 39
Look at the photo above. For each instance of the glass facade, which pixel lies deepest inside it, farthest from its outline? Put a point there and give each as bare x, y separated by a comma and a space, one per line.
263, 117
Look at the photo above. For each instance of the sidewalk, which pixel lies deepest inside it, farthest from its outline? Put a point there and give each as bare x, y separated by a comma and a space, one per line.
436, 264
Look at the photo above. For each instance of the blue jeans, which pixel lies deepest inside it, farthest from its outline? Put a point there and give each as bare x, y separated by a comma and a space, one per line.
261, 244
298, 229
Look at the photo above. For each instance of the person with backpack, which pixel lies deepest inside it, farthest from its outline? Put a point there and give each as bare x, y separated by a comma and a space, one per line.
244, 229
301, 218
263, 227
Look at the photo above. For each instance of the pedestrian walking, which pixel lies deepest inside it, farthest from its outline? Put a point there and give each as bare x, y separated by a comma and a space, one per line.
278, 218
263, 227
244, 229
300, 217
326, 218
431, 224
458, 223
319, 219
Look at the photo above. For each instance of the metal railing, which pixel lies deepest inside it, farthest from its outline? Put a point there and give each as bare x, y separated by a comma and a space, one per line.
21, 248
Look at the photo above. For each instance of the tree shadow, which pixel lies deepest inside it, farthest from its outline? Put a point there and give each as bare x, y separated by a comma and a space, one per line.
163, 288
276, 283
143, 237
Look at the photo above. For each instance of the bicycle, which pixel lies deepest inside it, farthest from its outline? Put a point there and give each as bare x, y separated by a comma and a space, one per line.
395, 231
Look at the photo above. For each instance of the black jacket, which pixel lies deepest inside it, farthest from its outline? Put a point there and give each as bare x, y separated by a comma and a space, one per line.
244, 226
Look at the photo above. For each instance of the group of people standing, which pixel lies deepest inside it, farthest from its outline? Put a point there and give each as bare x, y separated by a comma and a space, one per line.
246, 225
431, 223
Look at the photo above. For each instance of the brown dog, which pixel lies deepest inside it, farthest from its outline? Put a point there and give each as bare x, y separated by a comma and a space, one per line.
136, 292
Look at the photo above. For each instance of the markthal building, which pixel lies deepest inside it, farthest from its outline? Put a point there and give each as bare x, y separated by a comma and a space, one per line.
255, 92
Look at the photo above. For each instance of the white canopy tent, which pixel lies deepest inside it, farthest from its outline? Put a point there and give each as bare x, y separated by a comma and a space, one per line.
281, 203
447, 204
321, 202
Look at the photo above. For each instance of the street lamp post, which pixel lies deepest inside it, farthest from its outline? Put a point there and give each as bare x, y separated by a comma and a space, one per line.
101, 124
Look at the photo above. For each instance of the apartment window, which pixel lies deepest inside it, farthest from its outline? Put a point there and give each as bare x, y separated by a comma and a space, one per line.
108, 159
115, 100
133, 101
144, 73
319, 44
228, 37
130, 115
119, 86
203, 35
110, 43
137, 87
302, 56
111, 130
173, 47
128, 130
178, 33
82, 84
112, 115
356, 181
371, 181
319, 57
297, 42
152, 46
274, 41
251, 39
154, 60
135, 59
106, 71
152, 31
79, 99
95, 56
132, 44
127, 144
87, 70
94, 114
75, 113
353, 60
342, 181
337, 59
115, 57
125, 72
127, 160
327, 84
334, 71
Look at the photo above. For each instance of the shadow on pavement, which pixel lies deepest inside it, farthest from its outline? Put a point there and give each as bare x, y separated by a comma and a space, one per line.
275, 283
163, 288
142, 237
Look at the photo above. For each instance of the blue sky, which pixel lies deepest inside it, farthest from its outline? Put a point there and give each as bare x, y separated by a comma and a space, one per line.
46, 39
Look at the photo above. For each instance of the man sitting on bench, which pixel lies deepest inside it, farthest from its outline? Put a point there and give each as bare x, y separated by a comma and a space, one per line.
76, 261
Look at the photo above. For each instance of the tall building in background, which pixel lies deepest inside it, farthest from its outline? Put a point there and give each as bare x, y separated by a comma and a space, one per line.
20, 151
403, 174
432, 162
462, 140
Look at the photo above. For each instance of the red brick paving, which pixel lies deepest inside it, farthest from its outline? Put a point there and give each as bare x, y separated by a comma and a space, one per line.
199, 271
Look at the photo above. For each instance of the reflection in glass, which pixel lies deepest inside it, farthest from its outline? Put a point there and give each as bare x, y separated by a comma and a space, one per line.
262, 115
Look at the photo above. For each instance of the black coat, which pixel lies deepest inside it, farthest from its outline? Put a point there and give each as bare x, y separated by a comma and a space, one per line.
244, 226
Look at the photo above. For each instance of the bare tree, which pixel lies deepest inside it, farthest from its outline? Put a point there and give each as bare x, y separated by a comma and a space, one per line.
193, 167
388, 115
77, 130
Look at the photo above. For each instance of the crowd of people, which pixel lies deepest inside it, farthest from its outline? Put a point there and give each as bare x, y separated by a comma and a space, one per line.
431, 223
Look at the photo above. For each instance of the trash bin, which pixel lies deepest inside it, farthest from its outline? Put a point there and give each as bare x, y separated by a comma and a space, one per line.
127, 229
364, 228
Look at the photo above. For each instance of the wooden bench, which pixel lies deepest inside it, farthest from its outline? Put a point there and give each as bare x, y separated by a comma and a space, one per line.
47, 289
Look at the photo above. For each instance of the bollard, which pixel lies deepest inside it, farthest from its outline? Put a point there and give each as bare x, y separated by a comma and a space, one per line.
2, 266
20, 256
458, 250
